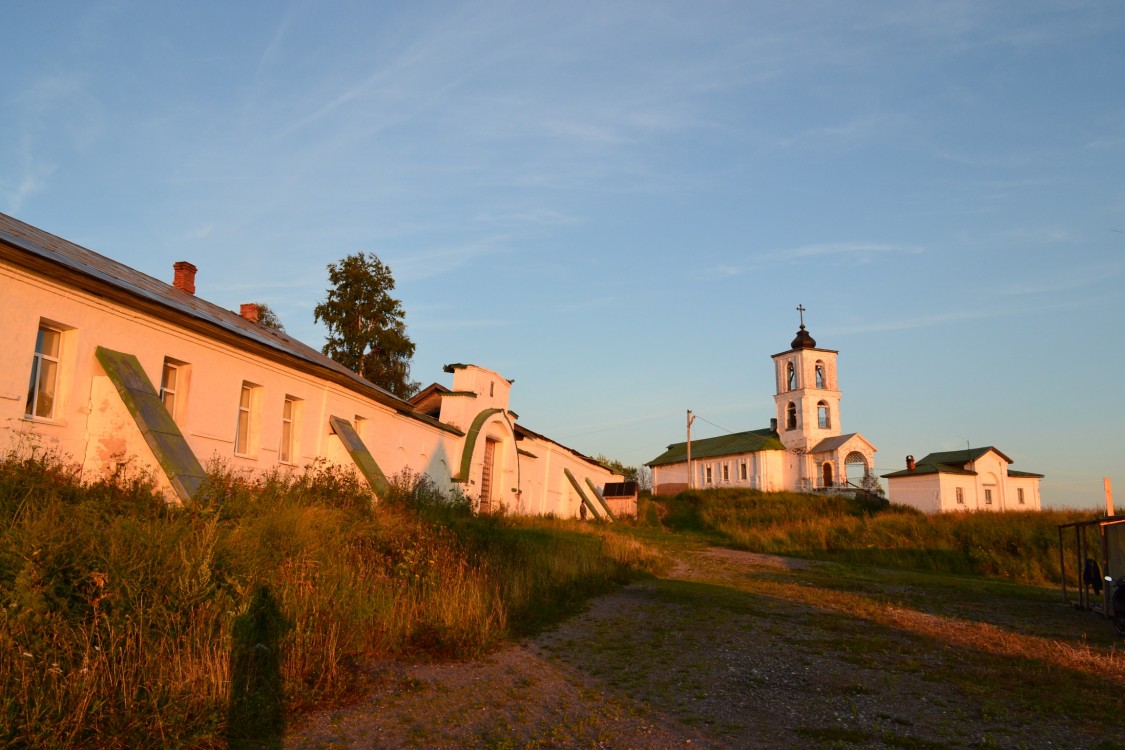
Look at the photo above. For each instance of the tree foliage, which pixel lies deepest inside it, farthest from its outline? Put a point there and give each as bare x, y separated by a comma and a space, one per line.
366, 327
267, 318
642, 475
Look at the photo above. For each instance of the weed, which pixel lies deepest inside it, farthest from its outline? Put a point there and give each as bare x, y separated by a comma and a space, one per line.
128, 622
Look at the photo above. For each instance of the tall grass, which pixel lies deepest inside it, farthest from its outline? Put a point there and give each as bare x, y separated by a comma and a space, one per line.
1021, 546
125, 622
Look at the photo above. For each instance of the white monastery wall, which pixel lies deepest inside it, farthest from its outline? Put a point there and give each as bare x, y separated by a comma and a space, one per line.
90, 411
92, 426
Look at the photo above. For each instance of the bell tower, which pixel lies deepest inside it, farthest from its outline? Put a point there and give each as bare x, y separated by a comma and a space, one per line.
808, 396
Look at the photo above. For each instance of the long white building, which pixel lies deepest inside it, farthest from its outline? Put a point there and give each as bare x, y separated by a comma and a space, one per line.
110, 366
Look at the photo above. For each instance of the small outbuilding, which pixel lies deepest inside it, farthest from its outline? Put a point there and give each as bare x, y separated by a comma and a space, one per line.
970, 479
621, 497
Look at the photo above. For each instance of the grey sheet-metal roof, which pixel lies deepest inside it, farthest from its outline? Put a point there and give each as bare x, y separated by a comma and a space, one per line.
832, 443
97, 273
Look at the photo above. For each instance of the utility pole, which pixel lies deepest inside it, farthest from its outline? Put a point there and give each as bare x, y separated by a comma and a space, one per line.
690, 473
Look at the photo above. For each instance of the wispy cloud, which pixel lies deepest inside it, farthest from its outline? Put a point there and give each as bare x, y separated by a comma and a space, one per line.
444, 259
1070, 280
1039, 235
858, 252
843, 252
724, 271
950, 316
457, 324
863, 128
34, 179
528, 216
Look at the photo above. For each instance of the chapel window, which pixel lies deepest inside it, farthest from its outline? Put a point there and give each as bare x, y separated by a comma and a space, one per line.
823, 418
790, 377
791, 416
820, 375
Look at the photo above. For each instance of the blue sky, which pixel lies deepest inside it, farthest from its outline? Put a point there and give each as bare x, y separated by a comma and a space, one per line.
620, 205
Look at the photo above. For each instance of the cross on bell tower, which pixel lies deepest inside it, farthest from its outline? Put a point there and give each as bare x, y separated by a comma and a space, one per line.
807, 398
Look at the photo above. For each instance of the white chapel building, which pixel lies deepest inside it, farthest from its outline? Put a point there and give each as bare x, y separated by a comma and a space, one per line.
970, 479
803, 449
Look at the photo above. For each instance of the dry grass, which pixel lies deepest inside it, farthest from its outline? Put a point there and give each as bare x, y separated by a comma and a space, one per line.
125, 622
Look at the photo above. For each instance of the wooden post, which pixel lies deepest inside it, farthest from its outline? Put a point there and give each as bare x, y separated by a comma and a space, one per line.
1108, 496
690, 475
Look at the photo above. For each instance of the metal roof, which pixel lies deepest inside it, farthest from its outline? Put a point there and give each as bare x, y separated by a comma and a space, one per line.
104, 273
725, 445
956, 462
832, 443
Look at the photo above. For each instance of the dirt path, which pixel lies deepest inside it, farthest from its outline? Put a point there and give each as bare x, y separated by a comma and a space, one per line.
699, 659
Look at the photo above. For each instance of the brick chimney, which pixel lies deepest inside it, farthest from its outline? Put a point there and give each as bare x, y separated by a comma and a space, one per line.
185, 276
910, 463
249, 310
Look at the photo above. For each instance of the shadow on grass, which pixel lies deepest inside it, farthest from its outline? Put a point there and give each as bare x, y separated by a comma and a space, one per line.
256, 717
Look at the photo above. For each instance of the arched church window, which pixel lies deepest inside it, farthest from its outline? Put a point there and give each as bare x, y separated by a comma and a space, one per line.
820, 375
790, 377
791, 416
823, 417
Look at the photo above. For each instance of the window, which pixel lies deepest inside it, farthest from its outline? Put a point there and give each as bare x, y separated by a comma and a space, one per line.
790, 377
42, 390
360, 427
819, 374
246, 434
1019, 495
791, 416
742, 472
707, 475
960, 496
168, 386
823, 418
726, 473
988, 497
289, 411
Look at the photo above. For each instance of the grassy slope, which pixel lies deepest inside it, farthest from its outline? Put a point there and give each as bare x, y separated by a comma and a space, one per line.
126, 622
1015, 546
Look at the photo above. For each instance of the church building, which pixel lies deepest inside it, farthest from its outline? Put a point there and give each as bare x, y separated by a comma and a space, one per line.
803, 449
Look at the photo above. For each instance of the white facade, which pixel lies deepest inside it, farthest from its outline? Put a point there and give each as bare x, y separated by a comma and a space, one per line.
967, 480
236, 392
803, 450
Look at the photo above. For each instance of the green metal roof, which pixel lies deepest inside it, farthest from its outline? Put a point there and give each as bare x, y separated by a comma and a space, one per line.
960, 456
955, 462
724, 445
